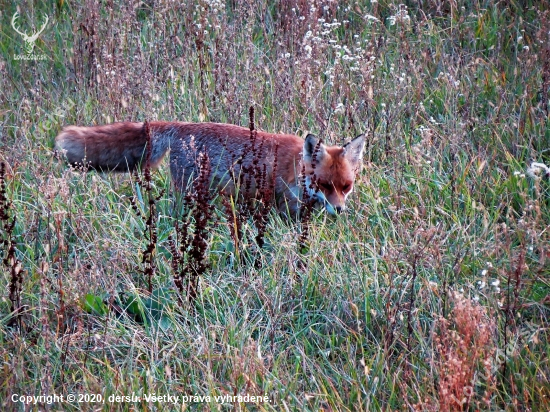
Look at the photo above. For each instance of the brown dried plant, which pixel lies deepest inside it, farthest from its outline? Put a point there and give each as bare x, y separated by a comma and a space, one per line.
465, 349
256, 188
10, 261
189, 248
150, 232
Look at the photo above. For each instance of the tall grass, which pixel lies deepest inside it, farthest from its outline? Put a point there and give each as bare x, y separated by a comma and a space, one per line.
430, 293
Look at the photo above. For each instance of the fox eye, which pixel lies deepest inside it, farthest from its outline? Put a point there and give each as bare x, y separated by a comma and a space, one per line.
326, 185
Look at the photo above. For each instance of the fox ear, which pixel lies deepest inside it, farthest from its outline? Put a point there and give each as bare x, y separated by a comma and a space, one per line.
310, 144
353, 151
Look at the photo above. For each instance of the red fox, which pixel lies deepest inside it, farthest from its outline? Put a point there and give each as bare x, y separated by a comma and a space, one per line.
123, 147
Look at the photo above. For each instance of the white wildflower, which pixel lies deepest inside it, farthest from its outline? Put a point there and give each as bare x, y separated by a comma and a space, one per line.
536, 169
401, 16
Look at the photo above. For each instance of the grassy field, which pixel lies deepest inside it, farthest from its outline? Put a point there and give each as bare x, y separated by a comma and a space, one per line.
431, 293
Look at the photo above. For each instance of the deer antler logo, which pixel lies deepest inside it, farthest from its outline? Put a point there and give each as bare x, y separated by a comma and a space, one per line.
29, 40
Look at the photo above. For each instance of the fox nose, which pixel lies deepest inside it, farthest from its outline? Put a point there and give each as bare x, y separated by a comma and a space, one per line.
339, 209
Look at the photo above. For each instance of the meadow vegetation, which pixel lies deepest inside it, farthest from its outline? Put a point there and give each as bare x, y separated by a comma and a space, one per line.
432, 292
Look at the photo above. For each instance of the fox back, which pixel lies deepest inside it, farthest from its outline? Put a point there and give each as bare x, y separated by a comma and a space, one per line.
233, 151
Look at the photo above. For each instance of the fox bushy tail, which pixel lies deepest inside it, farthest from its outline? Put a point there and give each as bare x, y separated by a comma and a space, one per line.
114, 147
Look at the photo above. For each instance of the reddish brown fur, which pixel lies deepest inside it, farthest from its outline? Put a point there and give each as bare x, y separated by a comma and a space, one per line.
117, 147
122, 147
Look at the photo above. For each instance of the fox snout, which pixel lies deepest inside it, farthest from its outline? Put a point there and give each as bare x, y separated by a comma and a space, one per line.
332, 205
334, 208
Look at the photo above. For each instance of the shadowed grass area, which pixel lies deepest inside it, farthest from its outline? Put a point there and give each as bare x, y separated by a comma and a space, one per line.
430, 293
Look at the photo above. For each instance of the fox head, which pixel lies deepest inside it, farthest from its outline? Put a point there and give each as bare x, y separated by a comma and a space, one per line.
330, 170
